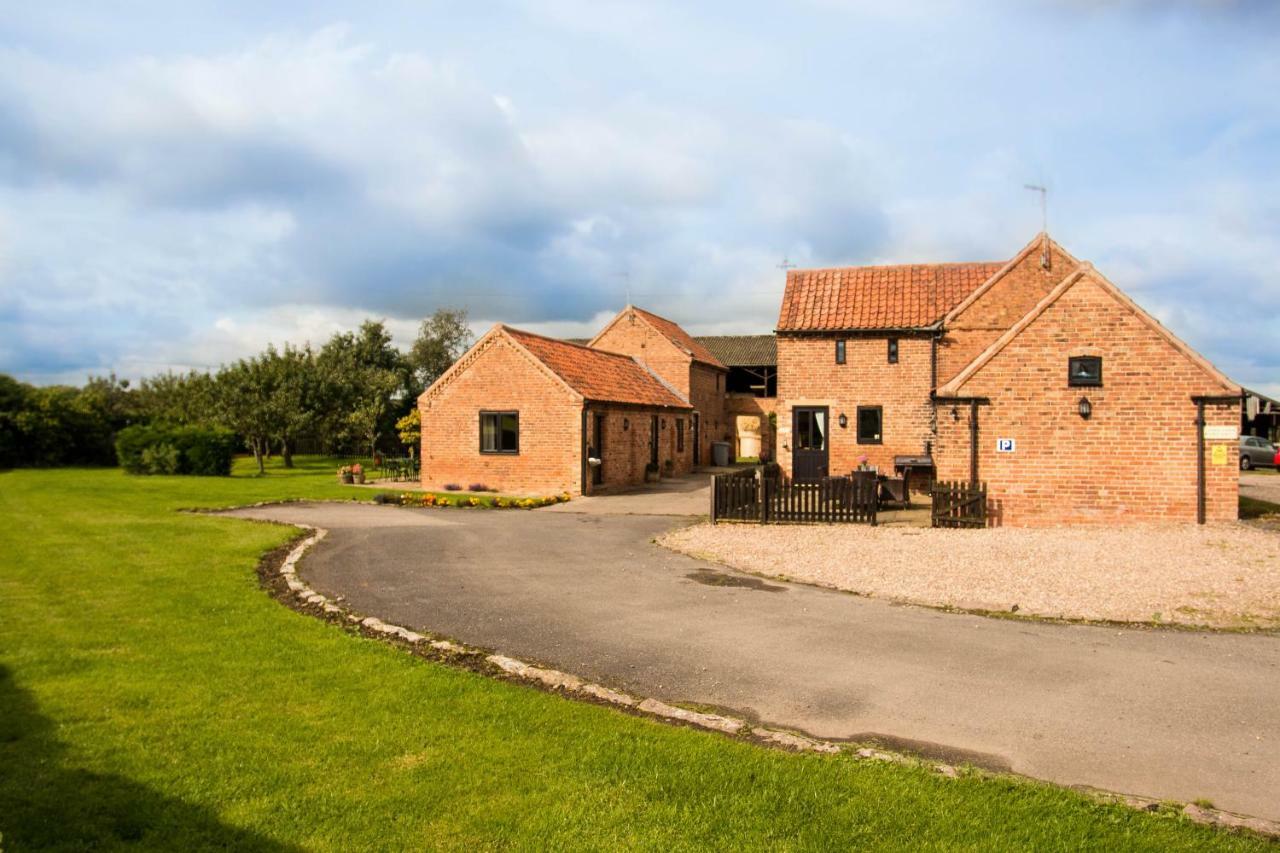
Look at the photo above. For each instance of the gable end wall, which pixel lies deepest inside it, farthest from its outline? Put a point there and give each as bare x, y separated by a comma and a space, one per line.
501, 377
1133, 460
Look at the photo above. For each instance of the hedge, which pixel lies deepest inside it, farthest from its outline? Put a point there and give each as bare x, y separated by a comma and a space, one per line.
160, 449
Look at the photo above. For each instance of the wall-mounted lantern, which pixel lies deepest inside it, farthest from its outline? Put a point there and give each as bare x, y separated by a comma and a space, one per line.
662, 423
626, 424
1085, 408
955, 414
844, 420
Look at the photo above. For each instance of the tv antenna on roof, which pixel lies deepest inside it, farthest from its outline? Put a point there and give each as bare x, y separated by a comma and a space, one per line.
1044, 219
786, 264
625, 275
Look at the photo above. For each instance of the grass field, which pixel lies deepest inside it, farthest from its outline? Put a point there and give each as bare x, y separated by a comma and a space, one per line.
152, 695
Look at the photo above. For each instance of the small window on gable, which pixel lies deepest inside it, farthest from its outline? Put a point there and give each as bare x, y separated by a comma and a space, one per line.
499, 432
840, 352
893, 350
679, 435
1084, 370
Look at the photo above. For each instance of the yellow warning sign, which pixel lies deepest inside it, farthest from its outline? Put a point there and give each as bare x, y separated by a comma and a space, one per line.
1219, 454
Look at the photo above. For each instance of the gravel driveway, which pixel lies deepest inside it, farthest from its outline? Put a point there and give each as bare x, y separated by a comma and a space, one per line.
1222, 576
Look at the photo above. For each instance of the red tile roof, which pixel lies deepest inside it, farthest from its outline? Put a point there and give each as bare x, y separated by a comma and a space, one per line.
680, 337
596, 374
907, 296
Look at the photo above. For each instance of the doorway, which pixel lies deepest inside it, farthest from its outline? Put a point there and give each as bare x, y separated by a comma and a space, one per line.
653, 440
597, 473
697, 440
809, 442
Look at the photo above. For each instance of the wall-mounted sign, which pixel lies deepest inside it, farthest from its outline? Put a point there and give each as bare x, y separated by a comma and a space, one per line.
1215, 432
1219, 454
1005, 445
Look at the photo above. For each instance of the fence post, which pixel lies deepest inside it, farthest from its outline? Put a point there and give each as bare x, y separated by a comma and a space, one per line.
713, 498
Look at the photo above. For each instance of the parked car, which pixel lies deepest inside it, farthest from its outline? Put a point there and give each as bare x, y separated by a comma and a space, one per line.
1257, 453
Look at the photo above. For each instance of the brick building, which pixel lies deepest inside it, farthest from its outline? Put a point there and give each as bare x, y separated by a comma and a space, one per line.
526, 414
684, 363
1030, 375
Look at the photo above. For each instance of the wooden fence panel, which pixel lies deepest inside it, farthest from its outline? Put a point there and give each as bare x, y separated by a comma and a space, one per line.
773, 499
957, 504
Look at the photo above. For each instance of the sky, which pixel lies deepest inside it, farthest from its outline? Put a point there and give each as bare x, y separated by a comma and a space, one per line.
181, 184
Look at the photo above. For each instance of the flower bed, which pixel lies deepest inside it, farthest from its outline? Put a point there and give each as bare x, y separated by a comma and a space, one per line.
468, 501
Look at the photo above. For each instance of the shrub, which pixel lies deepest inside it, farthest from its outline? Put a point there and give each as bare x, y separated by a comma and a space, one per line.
452, 487
158, 448
478, 487
160, 459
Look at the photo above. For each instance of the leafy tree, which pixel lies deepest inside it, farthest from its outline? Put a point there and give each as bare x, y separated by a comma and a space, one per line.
365, 378
245, 401
374, 398
409, 428
442, 339
177, 398
300, 395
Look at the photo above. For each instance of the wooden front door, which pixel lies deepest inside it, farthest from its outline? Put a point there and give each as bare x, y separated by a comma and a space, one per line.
697, 440
809, 443
597, 473
653, 440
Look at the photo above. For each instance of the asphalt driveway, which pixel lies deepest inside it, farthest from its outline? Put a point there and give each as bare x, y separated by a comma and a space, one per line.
1169, 714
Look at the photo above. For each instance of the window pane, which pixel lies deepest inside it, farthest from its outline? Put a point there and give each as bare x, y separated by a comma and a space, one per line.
488, 432
868, 426
510, 432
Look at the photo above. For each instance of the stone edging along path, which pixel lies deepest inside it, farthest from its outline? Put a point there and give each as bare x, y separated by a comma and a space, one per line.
278, 572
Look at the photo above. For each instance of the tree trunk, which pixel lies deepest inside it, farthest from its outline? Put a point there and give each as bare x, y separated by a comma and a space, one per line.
257, 455
286, 453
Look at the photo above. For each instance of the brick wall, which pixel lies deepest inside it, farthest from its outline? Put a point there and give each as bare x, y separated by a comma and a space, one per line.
499, 377
706, 395
992, 314
808, 375
626, 444
1133, 460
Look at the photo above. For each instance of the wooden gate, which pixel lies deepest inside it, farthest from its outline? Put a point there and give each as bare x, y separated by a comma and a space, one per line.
754, 495
959, 504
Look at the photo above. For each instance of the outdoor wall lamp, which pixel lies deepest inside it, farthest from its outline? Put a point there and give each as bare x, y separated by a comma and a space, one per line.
955, 413
1085, 408
844, 420
626, 424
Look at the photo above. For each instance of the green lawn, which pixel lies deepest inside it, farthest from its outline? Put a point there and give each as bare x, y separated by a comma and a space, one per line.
151, 693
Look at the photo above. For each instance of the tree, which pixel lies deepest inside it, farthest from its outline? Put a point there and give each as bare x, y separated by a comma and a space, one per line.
245, 401
442, 339
299, 394
409, 428
177, 398
373, 401
365, 379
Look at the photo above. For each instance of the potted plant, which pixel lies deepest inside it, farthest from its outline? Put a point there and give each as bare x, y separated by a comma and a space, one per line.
668, 467
345, 475
357, 472
651, 472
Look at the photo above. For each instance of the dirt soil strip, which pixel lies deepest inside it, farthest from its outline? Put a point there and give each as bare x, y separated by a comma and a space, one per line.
278, 574
1215, 576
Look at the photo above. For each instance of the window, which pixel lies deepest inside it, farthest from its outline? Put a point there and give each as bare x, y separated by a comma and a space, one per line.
811, 429
869, 424
679, 435
1084, 370
499, 432
840, 352
893, 350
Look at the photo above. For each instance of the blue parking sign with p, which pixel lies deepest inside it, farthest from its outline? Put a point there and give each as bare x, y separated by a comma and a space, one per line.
1004, 445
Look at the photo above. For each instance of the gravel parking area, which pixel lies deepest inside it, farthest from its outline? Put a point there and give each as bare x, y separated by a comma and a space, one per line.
1222, 576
